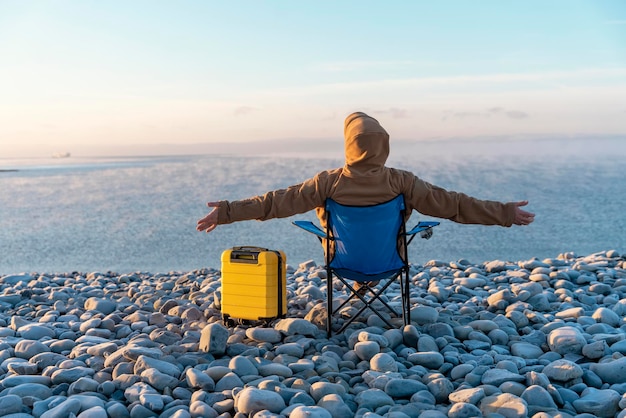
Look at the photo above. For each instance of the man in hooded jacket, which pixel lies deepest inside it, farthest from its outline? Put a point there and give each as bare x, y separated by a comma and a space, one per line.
365, 180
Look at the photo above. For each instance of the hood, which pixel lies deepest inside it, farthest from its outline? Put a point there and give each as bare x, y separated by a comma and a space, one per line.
366, 143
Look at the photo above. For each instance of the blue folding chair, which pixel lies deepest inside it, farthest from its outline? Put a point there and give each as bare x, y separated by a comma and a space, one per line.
367, 244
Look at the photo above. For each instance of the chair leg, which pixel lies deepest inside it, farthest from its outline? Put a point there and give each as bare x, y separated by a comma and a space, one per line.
329, 302
376, 296
406, 299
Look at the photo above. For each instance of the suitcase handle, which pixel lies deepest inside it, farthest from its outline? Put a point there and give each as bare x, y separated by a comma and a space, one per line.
246, 254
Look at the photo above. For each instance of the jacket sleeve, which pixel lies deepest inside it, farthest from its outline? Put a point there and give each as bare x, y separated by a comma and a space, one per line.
435, 201
281, 203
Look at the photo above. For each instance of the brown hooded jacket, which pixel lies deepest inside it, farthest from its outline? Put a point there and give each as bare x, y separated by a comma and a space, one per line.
365, 180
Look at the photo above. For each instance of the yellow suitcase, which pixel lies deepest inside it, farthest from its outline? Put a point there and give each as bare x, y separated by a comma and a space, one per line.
253, 284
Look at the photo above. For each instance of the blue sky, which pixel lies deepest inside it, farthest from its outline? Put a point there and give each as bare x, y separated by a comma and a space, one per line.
94, 76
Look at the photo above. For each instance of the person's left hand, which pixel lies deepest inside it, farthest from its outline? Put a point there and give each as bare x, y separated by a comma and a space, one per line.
209, 222
522, 217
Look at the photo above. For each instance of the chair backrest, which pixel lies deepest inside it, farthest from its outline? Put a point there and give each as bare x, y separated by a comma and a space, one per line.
366, 237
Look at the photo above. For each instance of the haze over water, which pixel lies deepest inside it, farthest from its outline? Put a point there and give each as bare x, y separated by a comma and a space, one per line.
139, 213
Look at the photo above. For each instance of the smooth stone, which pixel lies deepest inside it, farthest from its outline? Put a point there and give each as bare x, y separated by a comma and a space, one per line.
463, 410
159, 380
36, 390
94, 412
410, 335
104, 306
102, 349
13, 279
213, 339
275, 369
429, 360
165, 337
563, 370
439, 330
250, 400
290, 349
611, 371
202, 409
13, 381
383, 362
394, 337
217, 372
601, 403
607, 316
88, 401
526, 350
310, 412
320, 389
302, 398
64, 409
36, 332
151, 401
145, 362
566, 340
70, 375
496, 377
373, 399
427, 343
27, 349
365, 350
471, 396
538, 399
570, 313
484, 325
336, 406
199, 380
242, 366
515, 406
618, 347
10, 404
380, 339
296, 326
312, 292
140, 411
228, 382
90, 324
596, 350
440, 388
302, 365
424, 315
264, 335
460, 371
403, 388
84, 384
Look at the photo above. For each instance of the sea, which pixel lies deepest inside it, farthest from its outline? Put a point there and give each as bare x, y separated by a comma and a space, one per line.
139, 213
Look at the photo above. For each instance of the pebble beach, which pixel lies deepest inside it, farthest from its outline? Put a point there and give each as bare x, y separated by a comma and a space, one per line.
532, 338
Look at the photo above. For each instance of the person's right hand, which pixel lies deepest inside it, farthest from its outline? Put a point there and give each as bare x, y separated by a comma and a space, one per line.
209, 222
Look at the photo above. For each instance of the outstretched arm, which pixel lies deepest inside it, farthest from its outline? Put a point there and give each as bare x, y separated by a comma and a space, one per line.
209, 222
521, 216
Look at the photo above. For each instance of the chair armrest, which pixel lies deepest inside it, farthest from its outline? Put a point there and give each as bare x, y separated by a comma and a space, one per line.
422, 226
309, 226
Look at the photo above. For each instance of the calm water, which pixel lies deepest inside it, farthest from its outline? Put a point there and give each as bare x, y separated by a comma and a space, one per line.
131, 214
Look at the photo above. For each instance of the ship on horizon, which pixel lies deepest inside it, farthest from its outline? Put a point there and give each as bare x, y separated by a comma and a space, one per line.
61, 155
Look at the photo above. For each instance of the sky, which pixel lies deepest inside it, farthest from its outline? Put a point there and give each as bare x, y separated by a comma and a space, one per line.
109, 77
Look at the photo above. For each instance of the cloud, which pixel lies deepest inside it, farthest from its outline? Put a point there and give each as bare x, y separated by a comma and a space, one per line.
395, 113
358, 66
244, 110
517, 114
496, 111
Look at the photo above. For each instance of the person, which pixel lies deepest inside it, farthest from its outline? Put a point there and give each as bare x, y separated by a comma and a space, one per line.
365, 180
